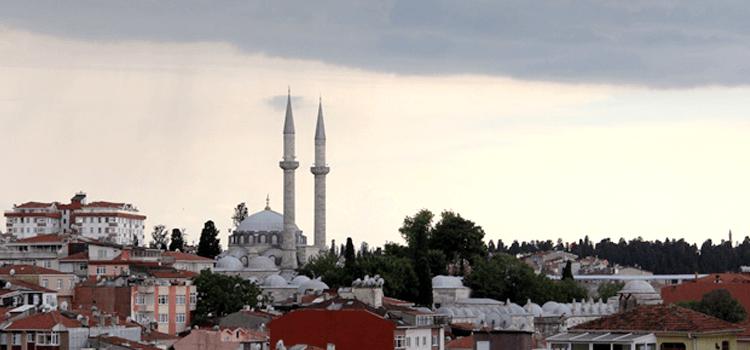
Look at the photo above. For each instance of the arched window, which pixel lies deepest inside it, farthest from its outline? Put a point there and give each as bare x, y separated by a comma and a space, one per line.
274, 239
244, 261
262, 239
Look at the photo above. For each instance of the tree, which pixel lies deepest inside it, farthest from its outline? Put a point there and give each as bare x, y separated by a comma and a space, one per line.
240, 213
567, 273
176, 242
159, 238
328, 266
349, 254
458, 238
220, 295
720, 304
609, 289
416, 231
208, 245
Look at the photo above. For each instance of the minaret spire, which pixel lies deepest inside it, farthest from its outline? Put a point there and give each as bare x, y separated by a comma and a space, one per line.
320, 170
289, 164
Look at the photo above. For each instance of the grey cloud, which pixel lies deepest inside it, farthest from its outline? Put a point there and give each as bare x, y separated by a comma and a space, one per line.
644, 42
279, 102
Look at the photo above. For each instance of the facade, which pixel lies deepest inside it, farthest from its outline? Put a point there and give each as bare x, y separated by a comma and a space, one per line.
61, 283
187, 262
63, 330
648, 327
115, 222
274, 236
41, 250
158, 298
224, 339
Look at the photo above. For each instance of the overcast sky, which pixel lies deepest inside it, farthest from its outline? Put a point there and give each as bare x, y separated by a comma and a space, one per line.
537, 120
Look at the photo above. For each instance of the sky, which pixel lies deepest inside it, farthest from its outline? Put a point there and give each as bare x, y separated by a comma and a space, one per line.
536, 120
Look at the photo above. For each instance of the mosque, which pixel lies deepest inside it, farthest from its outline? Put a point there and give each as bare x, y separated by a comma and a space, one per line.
268, 244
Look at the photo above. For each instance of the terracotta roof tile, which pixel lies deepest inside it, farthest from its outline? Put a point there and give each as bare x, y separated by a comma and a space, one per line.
659, 319
34, 205
180, 256
104, 204
80, 256
172, 274
460, 343
29, 270
29, 286
46, 238
43, 321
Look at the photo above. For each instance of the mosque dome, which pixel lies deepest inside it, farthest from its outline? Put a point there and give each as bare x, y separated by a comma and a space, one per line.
637, 287
275, 281
442, 281
534, 309
314, 285
261, 263
263, 221
237, 252
514, 308
229, 263
300, 280
557, 309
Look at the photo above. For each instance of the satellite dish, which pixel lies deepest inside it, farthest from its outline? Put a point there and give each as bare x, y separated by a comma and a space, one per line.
12, 272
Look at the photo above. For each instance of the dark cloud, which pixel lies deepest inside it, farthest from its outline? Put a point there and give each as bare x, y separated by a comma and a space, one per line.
648, 42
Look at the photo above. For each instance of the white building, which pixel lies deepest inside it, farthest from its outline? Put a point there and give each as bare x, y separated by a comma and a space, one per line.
116, 222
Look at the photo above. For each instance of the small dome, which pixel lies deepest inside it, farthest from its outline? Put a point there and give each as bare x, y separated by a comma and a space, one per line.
442, 281
549, 307
637, 287
275, 281
263, 221
229, 263
534, 309
514, 308
261, 263
315, 285
300, 280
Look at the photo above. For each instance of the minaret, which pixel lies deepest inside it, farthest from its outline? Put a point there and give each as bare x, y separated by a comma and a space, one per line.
320, 169
289, 164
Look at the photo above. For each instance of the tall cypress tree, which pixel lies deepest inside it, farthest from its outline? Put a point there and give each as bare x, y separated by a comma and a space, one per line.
208, 245
176, 241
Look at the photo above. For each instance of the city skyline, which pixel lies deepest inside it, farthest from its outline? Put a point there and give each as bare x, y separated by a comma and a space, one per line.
186, 128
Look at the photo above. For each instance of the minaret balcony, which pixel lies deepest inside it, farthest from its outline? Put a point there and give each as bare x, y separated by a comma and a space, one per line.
289, 164
320, 170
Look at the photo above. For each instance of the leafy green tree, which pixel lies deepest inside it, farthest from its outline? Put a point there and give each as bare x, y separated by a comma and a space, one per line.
159, 237
398, 273
329, 267
240, 213
720, 304
416, 231
208, 244
220, 295
609, 289
505, 277
176, 241
458, 238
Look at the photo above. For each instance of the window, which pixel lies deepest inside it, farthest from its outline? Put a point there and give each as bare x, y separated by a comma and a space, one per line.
163, 300
140, 299
180, 300
408, 341
435, 340
424, 340
59, 284
416, 340
399, 342
29, 337
725, 345
180, 317
163, 318
193, 298
101, 270
16, 339
48, 264
45, 282
673, 346
47, 338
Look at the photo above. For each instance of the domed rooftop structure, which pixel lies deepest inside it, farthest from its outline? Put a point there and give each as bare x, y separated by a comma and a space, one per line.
275, 281
442, 281
514, 308
315, 285
533, 308
637, 287
265, 220
300, 280
229, 263
261, 263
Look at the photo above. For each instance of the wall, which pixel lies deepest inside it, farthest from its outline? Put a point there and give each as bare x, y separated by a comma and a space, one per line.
347, 329
700, 343
505, 340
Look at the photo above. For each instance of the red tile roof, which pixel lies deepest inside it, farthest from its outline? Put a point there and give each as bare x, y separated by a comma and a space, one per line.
29, 286
125, 343
80, 256
180, 256
659, 319
46, 238
34, 205
738, 285
43, 321
29, 270
172, 274
104, 204
460, 343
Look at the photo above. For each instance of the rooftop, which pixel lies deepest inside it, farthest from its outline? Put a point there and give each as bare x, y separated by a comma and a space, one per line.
28, 270
658, 319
